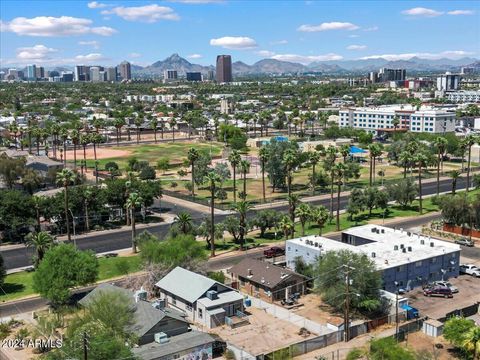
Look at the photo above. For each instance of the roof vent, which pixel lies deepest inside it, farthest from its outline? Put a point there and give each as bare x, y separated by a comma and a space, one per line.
422, 242
373, 255
249, 272
263, 280
395, 247
409, 233
382, 231
316, 244
212, 294
140, 295
404, 250
432, 244
410, 248
374, 230
402, 246
386, 261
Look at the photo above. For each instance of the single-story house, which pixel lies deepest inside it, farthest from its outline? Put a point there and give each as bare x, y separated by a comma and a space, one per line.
203, 300
148, 320
262, 279
43, 164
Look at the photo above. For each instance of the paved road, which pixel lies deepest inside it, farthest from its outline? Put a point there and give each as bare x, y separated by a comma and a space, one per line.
100, 243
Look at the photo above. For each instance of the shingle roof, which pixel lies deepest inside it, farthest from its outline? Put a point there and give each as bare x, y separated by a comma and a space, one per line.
185, 284
262, 272
146, 316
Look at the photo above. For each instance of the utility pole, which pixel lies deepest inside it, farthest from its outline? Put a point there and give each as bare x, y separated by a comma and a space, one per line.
346, 323
85, 345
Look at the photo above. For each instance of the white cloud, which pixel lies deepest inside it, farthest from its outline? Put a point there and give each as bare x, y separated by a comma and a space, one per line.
421, 11
198, 1
265, 53
450, 54
371, 28
54, 26
307, 59
279, 42
134, 55
93, 43
148, 13
461, 12
353, 36
356, 47
234, 42
90, 58
328, 26
96, 5
34, 53
195, 56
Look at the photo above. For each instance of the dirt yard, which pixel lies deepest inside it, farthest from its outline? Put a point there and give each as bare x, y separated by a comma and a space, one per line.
421, 342
313, 309
264, 334
102, 153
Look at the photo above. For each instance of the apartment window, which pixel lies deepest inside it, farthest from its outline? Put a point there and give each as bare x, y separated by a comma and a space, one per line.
200, 313
433, 260
174, 300
400, 268
418, 263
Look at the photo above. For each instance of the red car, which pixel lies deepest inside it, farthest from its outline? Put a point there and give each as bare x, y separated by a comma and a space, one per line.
438, 291
273, 251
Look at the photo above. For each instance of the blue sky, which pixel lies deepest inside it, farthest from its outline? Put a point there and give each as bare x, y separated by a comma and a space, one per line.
107, 32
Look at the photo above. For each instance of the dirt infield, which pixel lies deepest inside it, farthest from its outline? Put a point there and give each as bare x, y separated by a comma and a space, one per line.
102, 153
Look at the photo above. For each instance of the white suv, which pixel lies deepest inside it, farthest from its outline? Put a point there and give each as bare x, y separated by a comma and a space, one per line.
470, 270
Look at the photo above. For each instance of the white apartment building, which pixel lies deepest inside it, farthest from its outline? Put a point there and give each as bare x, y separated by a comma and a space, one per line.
463, 96
426, 119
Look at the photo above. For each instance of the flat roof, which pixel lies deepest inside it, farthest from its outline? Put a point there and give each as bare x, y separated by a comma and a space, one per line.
386, 243
226, 297
399, 108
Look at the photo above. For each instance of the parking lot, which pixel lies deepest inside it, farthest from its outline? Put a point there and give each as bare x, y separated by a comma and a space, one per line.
437, 307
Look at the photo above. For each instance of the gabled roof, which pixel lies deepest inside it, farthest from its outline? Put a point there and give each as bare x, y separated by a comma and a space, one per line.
186, 284
262, 272
146, 316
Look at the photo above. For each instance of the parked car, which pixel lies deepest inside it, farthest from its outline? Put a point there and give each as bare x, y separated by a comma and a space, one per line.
273, 251
438, 291
470, 269
464, 242
446, 284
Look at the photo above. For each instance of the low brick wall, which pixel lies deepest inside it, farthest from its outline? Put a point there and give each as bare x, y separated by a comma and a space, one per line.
460, 230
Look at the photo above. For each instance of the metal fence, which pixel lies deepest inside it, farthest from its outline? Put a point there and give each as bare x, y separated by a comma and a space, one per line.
464, 312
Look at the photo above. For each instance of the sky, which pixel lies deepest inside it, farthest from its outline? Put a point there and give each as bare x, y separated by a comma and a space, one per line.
58, 32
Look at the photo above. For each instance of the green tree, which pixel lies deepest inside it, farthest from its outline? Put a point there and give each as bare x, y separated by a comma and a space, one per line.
286, 225
184, 222
62, 268
41, 242
314, 159
263, 157
245, 168
421, 160
11, 169
356, 203
17, 210
320, 216
375, 151
163, 164
234, 158
468, 142
440, 144
192, 157
304, 214
388, 348
265, 220
212, 179
242, 209
134, 201
403, 192
65, 178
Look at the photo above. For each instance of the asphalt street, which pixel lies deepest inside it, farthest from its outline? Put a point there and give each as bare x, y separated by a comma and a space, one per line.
109, 242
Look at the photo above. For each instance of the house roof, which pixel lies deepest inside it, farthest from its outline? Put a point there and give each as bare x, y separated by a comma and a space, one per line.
146, 316
222, 298
262, 272
185, 284
176, 344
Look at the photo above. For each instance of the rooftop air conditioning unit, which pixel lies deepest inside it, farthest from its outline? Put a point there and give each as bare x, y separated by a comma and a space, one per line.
383, 231
161, 338
395, 247
140, 295
373, 255
212, 294
159, 304
409, 248
316, 244
404, 250
431, 244
374, 230
422, 242
409, 233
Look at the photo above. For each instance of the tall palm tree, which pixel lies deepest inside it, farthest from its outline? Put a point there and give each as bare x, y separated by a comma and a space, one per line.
314, 159
173, 123
286, 225
440, 144
293, 201
469, 141
212, 179
75, 136
320, 216
339, 174
119, 123
263, 155
454, 175
64, 178
138, 123
38, 135
375, 151
84, 140
153, 125
303, 213
395, 123
234, 158
64, 136
13, 130
193, 155
55, 132
405, 158
345, 151
184, 222
245, 168
133, 202
88, 195
242, 207
41, 242
95, 139
330, 157
290, 161
421, 160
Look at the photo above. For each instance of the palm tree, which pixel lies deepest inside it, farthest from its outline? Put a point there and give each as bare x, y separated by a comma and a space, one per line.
234, 159
65, 178
153, 125
75, 136
41, 242
95, 139
405, 158
64, 136
314, 158
55, 131
469, 141
192, 157
454, 175
119, 123
88, 195
304, 213
138, 123
375, 151
13, 130
331, 156
173, 123
38, 135
263, 157
212, 179
84, 140
37, 203
134, 201
242, 207
245, 168
293, 201
320, 215
395, 123
184, 222
290, 161
286, 225
345, 151
339, 173
441, 144
471, 342
421, 161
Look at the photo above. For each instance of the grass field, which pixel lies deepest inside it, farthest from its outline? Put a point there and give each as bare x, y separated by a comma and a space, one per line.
19, 285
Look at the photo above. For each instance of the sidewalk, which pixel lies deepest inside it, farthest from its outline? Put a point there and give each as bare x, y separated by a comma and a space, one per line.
194, 205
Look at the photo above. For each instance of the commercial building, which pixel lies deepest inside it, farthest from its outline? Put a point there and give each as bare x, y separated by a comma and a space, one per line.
463, 96
380, 118
31, 72
66, 76
224, 68
111, 74
82, 73
404, 258
387, 75
211, 75
194, 76
96, 74
448, 82
40, 72
125, 70
170, 75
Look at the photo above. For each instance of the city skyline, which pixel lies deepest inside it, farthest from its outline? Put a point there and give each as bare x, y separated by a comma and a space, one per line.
107, 33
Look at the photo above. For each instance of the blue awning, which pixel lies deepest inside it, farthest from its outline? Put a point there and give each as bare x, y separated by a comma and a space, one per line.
356, 150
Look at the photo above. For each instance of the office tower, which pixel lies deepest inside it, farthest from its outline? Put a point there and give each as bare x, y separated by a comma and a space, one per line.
12, 74
211, 75
53, 73
448, 82
373, 76
111, 74
194, 76
125, 70
40, 73
82, 73
386, 74
95, 74
224, 68
67, 76
169, 75
31, 73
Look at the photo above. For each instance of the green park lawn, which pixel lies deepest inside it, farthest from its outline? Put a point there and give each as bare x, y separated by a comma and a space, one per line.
19, 285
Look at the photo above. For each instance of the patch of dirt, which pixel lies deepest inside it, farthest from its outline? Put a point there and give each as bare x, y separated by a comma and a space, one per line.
102, 153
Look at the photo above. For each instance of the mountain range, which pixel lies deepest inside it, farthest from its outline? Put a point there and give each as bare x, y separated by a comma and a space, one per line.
272, 66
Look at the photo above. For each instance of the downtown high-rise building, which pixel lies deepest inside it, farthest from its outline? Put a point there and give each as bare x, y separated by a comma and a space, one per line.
31, 72
125, 70
224, 68
82, 73
111, 74
170, 75
40, 71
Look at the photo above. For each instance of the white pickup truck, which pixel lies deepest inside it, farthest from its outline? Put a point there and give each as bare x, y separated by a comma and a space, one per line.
470, 270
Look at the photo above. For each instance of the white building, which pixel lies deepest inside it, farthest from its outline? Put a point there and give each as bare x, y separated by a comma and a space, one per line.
448, 82
463, 96
407, 258
426, 119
